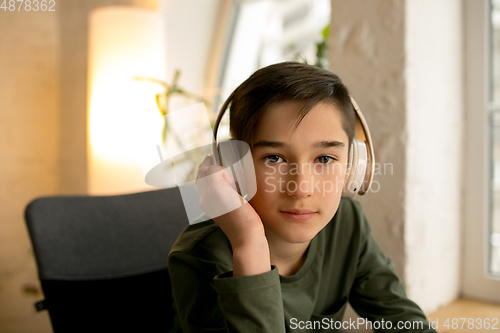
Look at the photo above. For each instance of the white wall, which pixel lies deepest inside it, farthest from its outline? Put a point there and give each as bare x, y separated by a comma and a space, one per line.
434, 150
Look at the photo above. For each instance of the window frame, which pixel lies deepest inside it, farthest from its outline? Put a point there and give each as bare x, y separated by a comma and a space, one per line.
477, 280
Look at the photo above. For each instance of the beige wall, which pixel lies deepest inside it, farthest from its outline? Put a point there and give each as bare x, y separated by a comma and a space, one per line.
43, 60
29, 139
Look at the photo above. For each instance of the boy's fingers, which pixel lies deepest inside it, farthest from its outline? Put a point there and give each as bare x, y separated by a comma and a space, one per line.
202, 172
204, 166
207, 169
206, 162
214, 169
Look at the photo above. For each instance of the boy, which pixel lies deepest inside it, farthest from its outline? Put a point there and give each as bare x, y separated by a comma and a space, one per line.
291, 258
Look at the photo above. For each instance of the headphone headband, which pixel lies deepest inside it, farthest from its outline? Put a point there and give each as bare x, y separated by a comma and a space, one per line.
222, 111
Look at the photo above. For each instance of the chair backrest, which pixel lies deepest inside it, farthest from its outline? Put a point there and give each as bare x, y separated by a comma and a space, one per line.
102, 261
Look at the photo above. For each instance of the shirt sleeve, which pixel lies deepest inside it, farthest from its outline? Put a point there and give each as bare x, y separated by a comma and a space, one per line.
377, 293
224, 303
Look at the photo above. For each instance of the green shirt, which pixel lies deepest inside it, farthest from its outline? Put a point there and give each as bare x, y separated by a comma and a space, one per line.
343, 264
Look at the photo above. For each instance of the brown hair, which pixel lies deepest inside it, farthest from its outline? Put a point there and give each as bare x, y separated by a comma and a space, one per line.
283, 82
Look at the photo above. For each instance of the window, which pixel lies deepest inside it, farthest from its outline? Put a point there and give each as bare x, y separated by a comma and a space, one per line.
481, 274
263, 32
494, 132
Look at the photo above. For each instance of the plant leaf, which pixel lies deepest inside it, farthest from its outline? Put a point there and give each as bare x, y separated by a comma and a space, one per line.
326, 31
165, 129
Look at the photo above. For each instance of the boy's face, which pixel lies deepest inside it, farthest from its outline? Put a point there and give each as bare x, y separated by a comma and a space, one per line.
300, 174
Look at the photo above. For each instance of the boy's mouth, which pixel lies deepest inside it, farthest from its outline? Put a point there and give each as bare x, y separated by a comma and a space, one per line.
298, 214
298, 211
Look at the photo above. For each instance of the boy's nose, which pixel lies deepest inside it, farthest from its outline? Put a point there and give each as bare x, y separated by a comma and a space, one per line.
300, 185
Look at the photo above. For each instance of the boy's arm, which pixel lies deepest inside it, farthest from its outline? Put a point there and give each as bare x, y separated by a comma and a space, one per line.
224, 303
378, 294
236, 217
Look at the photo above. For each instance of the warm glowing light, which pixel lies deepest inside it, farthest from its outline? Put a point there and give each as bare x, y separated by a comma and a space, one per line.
124, 43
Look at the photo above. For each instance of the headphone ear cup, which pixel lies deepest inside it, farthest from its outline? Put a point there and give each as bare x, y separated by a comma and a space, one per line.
356, 169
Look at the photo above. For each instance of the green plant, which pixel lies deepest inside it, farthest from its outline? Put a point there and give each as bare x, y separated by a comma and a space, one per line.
163, 99
193, 157
321, 50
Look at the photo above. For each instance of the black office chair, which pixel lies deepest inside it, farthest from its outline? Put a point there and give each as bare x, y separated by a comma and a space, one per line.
102, 261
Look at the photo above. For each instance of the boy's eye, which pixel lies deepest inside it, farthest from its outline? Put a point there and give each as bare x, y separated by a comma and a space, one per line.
326, 159
273, 159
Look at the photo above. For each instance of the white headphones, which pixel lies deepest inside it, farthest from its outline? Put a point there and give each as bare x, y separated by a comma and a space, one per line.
361, 160
236, 156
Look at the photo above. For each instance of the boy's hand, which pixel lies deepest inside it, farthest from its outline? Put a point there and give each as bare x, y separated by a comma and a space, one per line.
235, 216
